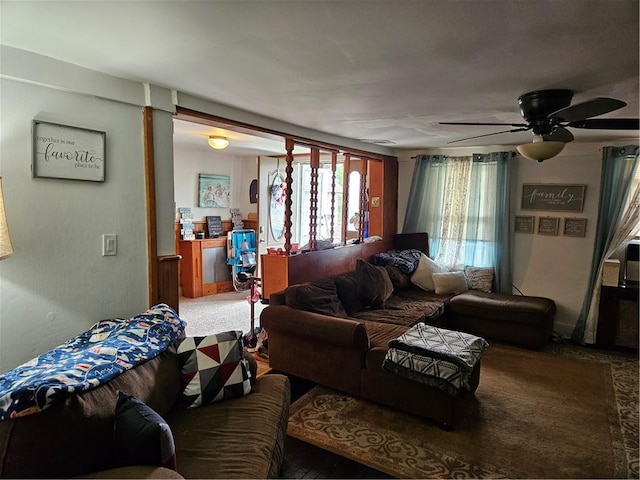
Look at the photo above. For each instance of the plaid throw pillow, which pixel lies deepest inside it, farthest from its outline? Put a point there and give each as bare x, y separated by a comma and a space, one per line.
213, 368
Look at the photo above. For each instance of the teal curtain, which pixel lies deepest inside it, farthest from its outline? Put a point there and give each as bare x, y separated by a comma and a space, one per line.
618, 168
487, 239
499, 178
427, 189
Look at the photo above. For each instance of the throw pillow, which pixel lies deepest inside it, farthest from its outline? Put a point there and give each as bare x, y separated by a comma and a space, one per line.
479, 278
374, 285
141, 435
449, 282
347, 287
320, 296
213, 368
422, 274
401, 281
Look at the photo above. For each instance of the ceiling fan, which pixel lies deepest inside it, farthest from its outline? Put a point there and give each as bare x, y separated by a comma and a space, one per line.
549, 114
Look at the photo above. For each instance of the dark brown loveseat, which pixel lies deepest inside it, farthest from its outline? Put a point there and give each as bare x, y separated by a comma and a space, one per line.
343, 346
236, 438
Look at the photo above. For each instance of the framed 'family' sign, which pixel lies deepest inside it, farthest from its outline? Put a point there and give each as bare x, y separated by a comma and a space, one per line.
552, 196
61, 151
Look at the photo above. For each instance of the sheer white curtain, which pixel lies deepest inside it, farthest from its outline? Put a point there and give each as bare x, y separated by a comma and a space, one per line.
453, 226
628, 228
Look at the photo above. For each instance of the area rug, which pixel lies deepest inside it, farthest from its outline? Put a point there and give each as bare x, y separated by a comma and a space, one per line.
565, 413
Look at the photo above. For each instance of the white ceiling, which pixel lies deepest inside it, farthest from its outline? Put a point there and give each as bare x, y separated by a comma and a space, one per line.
384, 70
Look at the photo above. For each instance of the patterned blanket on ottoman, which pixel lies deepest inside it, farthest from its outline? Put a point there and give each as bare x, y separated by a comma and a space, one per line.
436, 356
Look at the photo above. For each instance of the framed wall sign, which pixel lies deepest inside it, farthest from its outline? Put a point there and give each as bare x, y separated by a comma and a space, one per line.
575, 227
548, 225
552, 196
214, 225
62, 151
524, 224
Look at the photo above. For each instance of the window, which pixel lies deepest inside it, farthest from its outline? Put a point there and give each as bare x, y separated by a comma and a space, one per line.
462, 202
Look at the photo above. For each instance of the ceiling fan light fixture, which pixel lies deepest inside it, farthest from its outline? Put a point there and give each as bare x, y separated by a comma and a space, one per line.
540, 150
219, 143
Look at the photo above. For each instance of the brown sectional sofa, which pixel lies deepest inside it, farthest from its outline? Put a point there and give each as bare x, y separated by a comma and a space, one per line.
343, 347
236, 438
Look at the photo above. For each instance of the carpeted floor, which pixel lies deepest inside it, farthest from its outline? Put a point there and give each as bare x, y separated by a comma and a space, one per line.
218, 313
568, 412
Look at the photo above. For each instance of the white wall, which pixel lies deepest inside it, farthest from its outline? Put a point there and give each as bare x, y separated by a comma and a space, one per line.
190, 161
556, 267
57, 283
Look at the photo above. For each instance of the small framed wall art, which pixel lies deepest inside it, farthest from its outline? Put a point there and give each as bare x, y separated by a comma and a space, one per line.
62, 151
524, 224
575, 227
214, 191
548, 225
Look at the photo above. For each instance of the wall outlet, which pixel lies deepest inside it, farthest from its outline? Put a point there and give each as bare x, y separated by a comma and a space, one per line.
109, 244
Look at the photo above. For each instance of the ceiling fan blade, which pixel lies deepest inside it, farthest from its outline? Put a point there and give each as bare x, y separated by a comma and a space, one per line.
588, 109
608, 124
495, 124
489, 134
560, 134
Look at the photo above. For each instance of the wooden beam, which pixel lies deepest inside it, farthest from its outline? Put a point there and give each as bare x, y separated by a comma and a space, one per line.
150, 190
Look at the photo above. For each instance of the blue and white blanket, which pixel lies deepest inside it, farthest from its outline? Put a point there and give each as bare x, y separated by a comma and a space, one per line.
88, 360
405, 260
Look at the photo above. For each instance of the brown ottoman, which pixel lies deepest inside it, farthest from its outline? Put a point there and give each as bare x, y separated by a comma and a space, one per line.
522, 320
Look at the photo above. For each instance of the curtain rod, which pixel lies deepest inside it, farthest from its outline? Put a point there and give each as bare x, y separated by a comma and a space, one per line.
513, 154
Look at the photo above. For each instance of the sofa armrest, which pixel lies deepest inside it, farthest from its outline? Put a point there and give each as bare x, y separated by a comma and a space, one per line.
277, 298
341, 332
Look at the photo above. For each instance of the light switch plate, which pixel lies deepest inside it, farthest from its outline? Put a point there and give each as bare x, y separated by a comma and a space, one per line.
109, 244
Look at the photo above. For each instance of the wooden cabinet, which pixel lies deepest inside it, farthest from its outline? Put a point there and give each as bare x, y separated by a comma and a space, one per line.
275, 274
618, 317
203, 268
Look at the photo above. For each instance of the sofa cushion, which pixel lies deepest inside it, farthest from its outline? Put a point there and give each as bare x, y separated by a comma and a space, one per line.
320, 296
449, 282
239, 438
422, 275
141, 436
479, 278
374, 285
406, 318
514, 309
400, 280
347, 288
213, 368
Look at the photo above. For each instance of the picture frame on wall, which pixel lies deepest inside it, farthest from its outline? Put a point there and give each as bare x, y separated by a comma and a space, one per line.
575, 227
548, 225
524, 223
214, 191
67, 152
553, 197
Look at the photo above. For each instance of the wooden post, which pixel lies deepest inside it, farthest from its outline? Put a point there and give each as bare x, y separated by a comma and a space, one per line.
289, 145
334, 164
150, 187
313, 199
345, 197
363, 207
